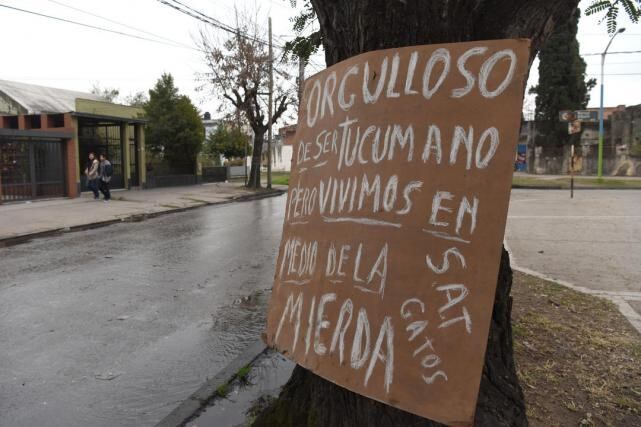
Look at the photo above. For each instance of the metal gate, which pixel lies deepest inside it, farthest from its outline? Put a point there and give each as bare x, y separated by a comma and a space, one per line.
31, 168
101, 137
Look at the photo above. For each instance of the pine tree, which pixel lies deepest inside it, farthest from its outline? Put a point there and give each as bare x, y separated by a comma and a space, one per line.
562, 84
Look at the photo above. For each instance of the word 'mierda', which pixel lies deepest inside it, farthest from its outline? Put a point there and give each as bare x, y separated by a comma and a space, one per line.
366, 346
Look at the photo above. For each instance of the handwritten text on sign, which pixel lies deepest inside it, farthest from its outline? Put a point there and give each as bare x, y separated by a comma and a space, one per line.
395, 216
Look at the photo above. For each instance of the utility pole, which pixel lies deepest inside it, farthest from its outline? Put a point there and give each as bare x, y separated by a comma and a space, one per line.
600, 152
271, 106
238, 125
301, 80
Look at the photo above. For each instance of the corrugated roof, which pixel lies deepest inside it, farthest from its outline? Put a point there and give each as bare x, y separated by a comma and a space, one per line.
42, 99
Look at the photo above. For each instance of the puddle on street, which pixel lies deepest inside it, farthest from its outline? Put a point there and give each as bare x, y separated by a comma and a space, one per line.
265, 379
243, 318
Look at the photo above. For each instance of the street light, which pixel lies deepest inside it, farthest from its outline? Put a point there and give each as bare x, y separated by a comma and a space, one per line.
600, 159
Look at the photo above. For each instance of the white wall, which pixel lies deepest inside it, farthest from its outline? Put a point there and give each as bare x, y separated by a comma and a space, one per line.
282, 158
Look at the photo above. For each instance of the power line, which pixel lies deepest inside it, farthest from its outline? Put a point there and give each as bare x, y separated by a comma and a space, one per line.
196, 14
315, 66
595, 64
604, 34
82, 24
207, 19
199, 13
615, 74
611, 53
118, 23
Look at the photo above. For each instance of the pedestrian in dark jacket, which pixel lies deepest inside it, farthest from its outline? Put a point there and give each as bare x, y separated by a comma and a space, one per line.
105, 170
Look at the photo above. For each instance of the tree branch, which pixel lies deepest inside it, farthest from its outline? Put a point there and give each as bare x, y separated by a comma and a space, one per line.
283, 102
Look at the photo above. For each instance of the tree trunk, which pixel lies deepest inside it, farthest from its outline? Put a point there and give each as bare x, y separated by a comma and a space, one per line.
356, 26
254, 173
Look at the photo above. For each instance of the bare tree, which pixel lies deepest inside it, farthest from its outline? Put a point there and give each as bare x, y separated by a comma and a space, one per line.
109, 94
136, 99
238, 72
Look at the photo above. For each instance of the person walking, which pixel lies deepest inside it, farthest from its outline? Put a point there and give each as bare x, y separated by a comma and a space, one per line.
105, 170
91, 172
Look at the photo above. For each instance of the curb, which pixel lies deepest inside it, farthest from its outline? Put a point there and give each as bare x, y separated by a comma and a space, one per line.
622, 305
618, 299
201, 397
24, 238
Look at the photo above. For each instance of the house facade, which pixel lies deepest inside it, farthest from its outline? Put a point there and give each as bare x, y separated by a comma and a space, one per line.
621, 145
47, 133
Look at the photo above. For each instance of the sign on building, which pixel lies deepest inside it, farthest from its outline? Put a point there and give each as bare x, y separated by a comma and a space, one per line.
394, 222
567, 116
587, 116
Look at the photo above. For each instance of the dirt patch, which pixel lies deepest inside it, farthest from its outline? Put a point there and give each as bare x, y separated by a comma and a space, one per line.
578, 359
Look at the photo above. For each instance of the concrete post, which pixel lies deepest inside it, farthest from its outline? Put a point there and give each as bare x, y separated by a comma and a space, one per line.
142, 162
75, 146
126, 168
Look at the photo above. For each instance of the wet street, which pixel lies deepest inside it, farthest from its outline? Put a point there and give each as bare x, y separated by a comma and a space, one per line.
118, 325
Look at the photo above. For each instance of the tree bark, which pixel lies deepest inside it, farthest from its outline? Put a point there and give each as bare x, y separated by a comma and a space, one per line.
356, 26
254, 173
352, 27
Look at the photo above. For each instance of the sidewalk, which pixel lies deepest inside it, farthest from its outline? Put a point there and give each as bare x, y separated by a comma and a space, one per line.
28, 219
583, 182
567, 175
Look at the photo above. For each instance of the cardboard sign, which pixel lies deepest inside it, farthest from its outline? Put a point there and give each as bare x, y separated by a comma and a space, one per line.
394, 222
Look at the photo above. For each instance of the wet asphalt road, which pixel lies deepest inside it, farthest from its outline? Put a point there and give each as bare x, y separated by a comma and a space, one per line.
118, 325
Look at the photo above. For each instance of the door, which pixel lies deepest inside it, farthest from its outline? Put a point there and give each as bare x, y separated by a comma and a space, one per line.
31, 169
133, 157
97, 137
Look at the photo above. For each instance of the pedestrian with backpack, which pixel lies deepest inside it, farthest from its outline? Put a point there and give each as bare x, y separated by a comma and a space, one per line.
105, 171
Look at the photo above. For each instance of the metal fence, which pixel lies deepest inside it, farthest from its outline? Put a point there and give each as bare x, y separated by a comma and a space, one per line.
31, 168
215, 174
171, 180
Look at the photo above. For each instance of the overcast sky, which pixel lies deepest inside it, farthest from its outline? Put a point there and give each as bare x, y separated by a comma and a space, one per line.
43, 51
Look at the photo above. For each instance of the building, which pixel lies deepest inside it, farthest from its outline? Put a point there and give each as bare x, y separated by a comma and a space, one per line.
210, 124
626, 128
621, 144
283, 149
626, 132
46, 135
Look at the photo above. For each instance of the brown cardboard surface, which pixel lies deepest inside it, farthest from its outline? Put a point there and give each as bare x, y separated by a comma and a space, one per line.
392, 238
